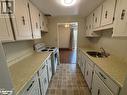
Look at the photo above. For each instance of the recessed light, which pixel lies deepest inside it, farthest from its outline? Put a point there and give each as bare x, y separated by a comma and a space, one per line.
68, 2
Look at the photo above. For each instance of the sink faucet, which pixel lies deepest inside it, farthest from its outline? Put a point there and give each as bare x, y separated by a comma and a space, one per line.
104, 52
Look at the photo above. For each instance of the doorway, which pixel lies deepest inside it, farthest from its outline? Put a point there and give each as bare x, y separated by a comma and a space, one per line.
67, 42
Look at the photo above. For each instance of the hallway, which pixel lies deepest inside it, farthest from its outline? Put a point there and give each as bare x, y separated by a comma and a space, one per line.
68, 80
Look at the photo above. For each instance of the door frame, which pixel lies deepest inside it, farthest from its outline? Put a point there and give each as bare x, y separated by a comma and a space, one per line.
58, 32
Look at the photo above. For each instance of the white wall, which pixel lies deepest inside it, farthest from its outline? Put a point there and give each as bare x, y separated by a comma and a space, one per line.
64, 37
51, 37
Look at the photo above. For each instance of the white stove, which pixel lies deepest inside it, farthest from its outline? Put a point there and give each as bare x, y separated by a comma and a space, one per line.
41, 47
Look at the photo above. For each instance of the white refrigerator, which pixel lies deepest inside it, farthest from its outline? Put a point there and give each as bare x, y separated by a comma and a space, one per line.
5, 79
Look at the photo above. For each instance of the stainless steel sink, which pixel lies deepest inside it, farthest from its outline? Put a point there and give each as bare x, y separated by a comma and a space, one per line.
95, 54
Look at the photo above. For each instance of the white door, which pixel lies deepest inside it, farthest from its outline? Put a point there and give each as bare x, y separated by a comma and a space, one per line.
108, 12
99, 88
120, 24
89, 74
6, 33
97, 17
34, 14
22, 20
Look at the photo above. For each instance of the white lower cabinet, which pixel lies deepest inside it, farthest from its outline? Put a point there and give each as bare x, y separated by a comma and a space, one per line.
49, 69
43, 78
33, 87
89, 74
98, 87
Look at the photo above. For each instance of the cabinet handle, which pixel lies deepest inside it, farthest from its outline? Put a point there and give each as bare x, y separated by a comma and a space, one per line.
123, 14
106, 14
102, 75
30, 86
45, 81
43, 23
43, 67
98, 93
36, 25
23, 20
96, 19
87, 73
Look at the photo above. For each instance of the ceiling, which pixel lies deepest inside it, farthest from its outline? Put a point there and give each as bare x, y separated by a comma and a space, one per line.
55, 8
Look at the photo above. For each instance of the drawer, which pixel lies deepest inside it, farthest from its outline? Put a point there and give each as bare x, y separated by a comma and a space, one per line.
108, 81
89, 61
41, 70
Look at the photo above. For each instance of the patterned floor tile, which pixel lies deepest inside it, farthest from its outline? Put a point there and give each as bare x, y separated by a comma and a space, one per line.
68, 80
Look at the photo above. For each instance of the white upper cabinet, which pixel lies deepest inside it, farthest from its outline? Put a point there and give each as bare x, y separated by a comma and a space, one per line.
97, 17
41, 17
120, 23
22, 20
108, 12
89, 26
43, 23
34, 15
6, 33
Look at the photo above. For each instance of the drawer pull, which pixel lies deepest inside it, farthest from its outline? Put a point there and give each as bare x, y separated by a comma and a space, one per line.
43, 67
30, 86
102, 75
98, 93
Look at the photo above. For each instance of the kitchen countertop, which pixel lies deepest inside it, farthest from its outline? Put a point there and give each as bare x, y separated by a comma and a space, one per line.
24, 70
113, 66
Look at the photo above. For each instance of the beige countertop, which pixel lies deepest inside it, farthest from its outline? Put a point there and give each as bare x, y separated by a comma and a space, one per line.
113, 66
24, 70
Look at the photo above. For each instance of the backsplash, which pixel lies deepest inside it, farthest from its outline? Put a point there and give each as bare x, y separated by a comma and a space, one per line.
16, 51
116, 46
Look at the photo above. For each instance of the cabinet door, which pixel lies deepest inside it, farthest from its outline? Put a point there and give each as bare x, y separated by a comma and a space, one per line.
44, 82
34, 14
99, 88
108, 12
45, 24
34, 90
41, 17
22, 20
88, 74
6, 33
89, 25
120, 24
49, 69
97, 17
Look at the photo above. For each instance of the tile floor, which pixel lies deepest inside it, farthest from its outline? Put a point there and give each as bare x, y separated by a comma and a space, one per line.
68, 80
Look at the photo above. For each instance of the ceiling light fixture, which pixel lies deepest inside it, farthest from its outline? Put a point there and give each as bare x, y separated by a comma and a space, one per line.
68, 2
